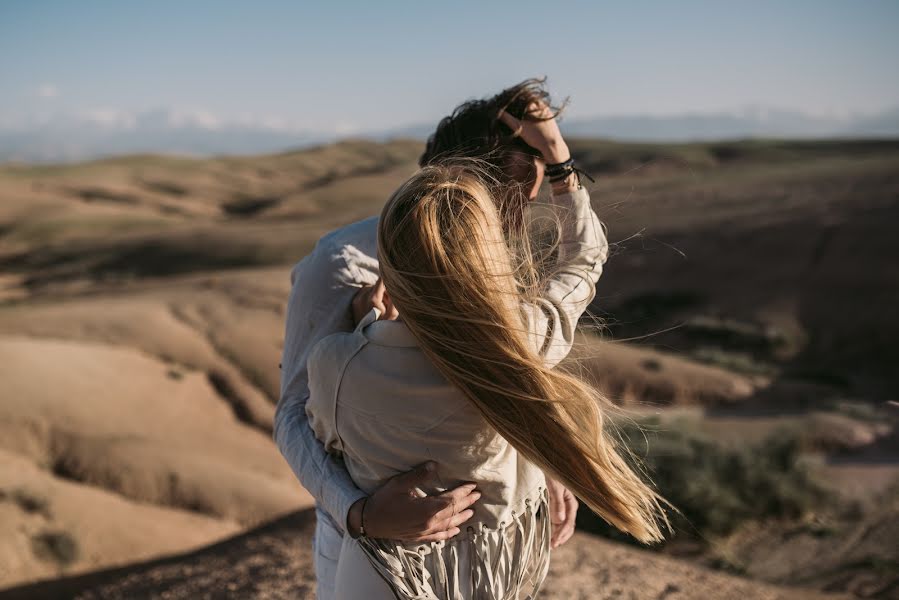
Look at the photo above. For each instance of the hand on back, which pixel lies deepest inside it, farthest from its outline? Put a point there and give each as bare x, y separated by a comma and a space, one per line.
374, 296
398, 510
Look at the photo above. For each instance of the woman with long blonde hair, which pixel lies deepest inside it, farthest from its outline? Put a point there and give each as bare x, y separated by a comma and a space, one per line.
460, 379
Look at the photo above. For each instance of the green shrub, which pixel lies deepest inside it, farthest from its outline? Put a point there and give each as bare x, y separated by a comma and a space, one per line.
716, 487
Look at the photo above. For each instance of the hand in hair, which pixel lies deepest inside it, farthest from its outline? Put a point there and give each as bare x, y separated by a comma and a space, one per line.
539, 130
373, 296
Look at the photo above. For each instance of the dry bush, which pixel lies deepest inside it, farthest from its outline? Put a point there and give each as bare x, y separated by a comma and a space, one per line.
716, 487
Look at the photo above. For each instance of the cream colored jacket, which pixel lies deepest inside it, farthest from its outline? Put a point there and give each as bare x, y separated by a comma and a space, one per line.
378, 402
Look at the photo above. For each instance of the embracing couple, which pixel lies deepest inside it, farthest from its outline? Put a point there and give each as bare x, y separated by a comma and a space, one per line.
419, 402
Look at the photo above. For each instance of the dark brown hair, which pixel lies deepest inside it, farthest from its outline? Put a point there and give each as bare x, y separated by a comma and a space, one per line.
474, 130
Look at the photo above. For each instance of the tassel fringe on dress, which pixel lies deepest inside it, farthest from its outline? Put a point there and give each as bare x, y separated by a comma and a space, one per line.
506, 563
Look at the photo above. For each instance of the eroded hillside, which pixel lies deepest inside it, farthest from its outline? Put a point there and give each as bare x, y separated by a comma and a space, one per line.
752, 287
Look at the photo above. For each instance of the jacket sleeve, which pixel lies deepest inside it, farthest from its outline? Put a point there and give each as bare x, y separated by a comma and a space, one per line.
319, 305
551, 320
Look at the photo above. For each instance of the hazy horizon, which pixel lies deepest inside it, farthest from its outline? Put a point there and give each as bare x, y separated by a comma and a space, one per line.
347, 68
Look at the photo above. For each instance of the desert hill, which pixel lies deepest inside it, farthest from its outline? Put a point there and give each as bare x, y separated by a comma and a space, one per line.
752, 291
268, 562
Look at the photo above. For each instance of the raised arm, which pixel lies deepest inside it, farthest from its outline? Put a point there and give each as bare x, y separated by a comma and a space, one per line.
552, 319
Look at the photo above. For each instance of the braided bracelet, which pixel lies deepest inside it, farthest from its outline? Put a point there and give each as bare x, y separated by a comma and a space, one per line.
556, 172
559, 168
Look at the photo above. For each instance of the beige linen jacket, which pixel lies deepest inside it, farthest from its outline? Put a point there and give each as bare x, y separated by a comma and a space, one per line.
378, 402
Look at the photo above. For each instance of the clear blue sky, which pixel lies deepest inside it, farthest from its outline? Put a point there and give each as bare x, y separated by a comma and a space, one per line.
369, 65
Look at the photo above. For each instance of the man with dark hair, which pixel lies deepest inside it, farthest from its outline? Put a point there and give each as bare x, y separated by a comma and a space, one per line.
338, 283
473, 129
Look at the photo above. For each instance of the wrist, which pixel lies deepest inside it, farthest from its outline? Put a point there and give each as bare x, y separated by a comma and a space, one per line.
354, 517
556, 152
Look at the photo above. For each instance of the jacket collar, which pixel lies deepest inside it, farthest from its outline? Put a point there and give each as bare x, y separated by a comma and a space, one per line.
386, 333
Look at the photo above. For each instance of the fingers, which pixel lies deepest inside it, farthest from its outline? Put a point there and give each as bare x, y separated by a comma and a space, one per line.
460, 518
434, 517
513, 123
377, 292
460, 493
561, 512
441, 511
455, 501
390, 311
539, 109
556, 502
374, 296
570, 506
444, 513
451, 523
366, 298
563, 536
564, 532
468, 499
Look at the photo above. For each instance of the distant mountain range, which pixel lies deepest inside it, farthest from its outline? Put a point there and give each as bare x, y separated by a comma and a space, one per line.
105, 133
755, 122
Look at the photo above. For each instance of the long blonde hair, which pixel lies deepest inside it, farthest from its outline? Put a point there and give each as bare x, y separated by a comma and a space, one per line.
453, 269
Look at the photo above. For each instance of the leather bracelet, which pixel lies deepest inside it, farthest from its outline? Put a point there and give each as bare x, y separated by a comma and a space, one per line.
561, 175
572, 170
554, 168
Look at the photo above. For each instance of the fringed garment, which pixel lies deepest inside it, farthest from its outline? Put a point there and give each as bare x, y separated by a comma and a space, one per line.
509, 562
379, 403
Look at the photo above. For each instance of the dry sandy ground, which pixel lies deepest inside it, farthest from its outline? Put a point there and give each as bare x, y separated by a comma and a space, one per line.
116, 444
274, 562
141, 321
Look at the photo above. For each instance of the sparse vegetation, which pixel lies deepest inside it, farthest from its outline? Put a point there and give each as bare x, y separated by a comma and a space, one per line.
248, 206
31, 502
716, 487
57, 547
723, 332
739, 362
652, 306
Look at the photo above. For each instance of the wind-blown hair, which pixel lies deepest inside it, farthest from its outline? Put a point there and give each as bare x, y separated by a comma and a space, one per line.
458, 275
475, 131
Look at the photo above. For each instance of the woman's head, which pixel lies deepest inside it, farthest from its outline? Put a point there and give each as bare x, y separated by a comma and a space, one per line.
458, 274
441, 239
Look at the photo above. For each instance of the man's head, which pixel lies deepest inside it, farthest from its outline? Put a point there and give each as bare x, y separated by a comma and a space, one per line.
475, 130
